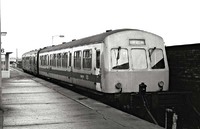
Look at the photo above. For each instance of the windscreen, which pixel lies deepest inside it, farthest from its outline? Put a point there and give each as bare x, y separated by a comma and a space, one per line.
139, 60
119, 58
156, 58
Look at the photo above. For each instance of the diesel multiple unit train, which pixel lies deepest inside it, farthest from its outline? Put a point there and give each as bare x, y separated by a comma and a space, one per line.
122, 64
112, 62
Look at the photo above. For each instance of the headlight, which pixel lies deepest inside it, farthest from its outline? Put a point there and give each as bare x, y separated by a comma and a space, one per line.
118, 86
161, 84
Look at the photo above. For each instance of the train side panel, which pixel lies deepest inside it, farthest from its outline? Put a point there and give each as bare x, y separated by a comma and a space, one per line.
51, 68
85, 70
79, 67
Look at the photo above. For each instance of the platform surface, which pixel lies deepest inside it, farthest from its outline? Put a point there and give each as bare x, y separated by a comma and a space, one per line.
32, 103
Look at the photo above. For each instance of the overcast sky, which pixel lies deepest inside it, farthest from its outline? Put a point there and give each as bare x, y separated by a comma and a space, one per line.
30, 24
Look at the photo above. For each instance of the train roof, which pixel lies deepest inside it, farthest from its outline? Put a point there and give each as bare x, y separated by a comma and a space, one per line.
30, 53
86, 41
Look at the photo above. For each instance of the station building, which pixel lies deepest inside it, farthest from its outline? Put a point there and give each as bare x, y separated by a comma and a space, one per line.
5, 64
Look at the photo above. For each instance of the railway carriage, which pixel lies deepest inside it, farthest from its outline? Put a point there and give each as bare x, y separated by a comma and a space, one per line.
29, 62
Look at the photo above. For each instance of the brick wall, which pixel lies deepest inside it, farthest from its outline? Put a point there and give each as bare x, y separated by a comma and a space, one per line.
184, 66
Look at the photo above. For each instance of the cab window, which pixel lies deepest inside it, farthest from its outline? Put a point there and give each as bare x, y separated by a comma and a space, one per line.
156, 58
139, 60
119, 58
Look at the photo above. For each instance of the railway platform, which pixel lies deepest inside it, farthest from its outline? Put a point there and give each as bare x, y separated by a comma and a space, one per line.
33, 103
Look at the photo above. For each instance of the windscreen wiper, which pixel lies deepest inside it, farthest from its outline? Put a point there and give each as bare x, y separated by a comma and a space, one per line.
151, 52
118, 54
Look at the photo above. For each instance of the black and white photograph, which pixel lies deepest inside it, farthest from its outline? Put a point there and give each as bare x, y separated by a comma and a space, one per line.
100, 64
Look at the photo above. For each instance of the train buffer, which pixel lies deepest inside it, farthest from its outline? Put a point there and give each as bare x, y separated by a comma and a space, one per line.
30, 102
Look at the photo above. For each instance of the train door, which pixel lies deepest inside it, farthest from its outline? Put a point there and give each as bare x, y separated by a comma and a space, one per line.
69, 70
97, 71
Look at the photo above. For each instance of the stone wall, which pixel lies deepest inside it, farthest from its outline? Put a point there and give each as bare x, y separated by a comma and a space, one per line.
184, 66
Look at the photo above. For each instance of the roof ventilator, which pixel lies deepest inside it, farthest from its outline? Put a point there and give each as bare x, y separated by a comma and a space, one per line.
108, 30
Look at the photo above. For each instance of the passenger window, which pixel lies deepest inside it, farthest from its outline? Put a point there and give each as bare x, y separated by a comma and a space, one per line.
87, 59
51, 60
44, 59
41, 60
139, 60
47, 59
77, 60
54, 60
156, 58
98, 59
59, 60
30, 60
64, 60
119, 58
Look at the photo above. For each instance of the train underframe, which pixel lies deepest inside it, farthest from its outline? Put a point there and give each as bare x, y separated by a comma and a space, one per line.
156, 107
162, 108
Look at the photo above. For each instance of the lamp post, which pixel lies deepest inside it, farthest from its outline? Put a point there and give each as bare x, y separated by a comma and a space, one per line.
61, 36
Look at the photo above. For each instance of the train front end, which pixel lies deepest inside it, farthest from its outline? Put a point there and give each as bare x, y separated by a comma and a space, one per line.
134, 60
